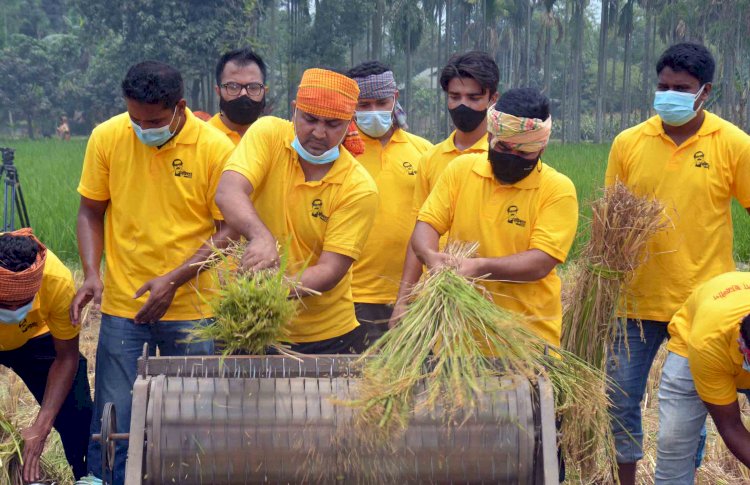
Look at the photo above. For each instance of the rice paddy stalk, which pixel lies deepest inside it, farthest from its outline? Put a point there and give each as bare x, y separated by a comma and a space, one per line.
252, 310
620, 228
456, 344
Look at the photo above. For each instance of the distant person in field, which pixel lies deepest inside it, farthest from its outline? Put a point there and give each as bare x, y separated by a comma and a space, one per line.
39, 343
63, 129
241, 87
707, 365
147, 203
657, 158
295, 182
391, 156
522, 212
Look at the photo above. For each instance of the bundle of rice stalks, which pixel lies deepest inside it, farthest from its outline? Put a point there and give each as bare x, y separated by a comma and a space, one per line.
455, 341
253, 310
621, 226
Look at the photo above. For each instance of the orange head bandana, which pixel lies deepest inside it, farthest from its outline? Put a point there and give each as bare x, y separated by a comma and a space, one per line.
527, 135
328, 94
17, 288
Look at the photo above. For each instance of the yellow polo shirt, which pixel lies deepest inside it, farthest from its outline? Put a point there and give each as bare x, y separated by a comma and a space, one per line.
539, 212
695, 182
333, 214
433, 163
216, 122
377, 273
705, 331
161, 209
49, 311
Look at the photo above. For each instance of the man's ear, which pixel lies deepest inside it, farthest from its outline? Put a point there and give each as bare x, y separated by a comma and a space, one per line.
217, 90
395, 95
494, 98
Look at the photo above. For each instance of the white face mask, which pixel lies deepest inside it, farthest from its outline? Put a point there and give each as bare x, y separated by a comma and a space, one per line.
13, 317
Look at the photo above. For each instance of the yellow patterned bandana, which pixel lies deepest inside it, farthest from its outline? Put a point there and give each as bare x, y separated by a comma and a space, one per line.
526, 135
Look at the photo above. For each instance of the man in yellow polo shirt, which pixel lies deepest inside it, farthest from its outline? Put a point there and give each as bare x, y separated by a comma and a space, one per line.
40, 344
147, 199
469, 81
520, 210
391, 156
708, 362
241, 87
694, 163
294, 183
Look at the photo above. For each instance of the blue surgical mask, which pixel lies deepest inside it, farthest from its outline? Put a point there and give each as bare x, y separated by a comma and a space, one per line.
155, 137
13, 317
676, 108
374, 123
328, 156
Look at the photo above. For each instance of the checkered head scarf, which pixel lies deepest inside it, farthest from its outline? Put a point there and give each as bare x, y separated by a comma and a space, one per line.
379, 86
522, 134
17, 288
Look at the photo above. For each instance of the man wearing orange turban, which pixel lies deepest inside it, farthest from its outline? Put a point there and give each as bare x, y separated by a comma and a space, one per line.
40, 344
294, 183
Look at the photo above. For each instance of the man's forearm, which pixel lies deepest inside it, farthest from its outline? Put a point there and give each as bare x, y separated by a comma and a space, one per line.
90, 233
737, 439
190, 268
410, 275
530, 265
233, 199
59, 381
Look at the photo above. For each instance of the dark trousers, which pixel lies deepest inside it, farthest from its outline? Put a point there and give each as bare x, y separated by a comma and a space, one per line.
354, 342
31, 362
374, 317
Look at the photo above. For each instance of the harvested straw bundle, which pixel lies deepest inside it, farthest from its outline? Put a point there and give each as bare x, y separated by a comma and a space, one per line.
621, 225
11, 462
253, 310
468, 342
620, 228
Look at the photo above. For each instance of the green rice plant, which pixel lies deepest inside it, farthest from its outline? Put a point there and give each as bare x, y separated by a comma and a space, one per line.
252, 310
11, 459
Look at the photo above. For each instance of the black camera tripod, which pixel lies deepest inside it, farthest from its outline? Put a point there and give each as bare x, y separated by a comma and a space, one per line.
13, 200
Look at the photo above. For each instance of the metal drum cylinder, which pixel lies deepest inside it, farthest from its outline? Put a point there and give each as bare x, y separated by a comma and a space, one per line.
249, 426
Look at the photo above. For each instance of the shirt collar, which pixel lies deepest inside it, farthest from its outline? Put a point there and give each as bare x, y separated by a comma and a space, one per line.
449, 145
483, 168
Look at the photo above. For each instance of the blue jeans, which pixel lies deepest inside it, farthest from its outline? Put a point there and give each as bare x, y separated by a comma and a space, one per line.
629, 374
682, 423
120, 344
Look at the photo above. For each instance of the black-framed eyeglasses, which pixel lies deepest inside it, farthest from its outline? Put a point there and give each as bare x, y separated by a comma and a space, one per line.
234, 89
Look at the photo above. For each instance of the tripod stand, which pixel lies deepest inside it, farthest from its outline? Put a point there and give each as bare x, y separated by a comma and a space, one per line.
13, 195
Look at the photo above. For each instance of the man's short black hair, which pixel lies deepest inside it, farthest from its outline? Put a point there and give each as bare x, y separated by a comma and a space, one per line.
367, 68
524, 103
242, 57
476, 65
153, 82
17, 253
745, 329
695, 59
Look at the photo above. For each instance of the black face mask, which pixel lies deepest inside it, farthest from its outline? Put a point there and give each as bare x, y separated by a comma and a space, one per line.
509, 168
465, 118
242, 110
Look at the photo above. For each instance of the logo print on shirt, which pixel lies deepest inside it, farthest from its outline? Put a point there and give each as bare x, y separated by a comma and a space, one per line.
409, 168
513, 216
700, 160
178, 171
317, 210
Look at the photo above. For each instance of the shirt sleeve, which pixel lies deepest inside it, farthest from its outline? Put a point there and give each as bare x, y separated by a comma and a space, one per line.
556, 224
437, 210
741, 178
94, 183
614, 165
253, 156
57, 298
713, 373
219, 157
350, 224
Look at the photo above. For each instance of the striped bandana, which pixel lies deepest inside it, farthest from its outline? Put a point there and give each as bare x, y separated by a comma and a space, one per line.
379, 86
527, 135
